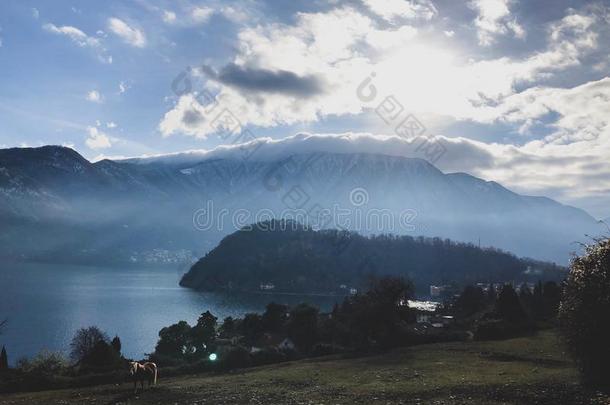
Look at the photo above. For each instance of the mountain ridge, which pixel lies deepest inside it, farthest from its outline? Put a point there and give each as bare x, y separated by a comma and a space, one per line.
157, 202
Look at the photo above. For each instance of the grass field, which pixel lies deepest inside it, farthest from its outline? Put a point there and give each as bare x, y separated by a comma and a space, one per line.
530, 370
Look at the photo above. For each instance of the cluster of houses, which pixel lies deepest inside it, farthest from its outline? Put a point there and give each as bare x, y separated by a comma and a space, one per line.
163, 256
344, 288
448, 291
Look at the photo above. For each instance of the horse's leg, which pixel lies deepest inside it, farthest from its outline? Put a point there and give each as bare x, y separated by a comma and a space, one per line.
135, 385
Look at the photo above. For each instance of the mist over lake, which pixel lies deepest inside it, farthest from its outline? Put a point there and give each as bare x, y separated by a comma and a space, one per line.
48, 303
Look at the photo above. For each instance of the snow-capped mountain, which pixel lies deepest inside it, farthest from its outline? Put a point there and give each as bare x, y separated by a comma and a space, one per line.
58, 205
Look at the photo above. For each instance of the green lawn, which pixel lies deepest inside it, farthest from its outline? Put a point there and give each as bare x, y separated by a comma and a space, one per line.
517, 371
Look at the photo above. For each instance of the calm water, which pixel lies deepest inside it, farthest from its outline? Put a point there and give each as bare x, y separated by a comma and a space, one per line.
46, 304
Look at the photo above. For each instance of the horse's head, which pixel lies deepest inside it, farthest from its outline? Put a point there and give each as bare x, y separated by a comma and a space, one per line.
133, 367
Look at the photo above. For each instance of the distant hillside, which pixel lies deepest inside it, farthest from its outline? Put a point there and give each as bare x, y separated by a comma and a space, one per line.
297, 259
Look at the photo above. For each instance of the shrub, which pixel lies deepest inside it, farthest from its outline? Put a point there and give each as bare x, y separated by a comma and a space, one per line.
268, 356
45, 362
583, 312
237, 357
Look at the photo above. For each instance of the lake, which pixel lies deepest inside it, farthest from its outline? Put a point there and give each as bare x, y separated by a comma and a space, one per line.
46, 304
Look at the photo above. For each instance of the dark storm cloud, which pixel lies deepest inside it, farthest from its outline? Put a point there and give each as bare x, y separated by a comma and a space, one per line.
267, 81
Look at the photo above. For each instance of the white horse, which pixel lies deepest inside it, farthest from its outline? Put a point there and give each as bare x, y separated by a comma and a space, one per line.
141, 372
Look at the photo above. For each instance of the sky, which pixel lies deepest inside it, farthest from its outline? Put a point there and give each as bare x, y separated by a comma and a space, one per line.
517, 92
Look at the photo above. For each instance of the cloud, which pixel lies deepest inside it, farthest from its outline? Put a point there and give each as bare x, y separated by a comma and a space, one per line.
111, 125
234, 14
494, 19
97, 139
35, 13
94, 96
342, 47
76, 35
267, 81
128, 34
392, 10
320, 45
169, 17
81, 39
200, 15
123, 87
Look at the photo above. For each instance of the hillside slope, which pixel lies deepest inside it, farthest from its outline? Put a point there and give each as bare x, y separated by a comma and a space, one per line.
518, 371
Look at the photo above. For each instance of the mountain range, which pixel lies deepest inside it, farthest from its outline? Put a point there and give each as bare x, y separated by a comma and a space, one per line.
56, 205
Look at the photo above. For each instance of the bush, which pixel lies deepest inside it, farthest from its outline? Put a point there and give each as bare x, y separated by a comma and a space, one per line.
45, 362
268, 356
324, 349
583, 312
496, 329
236, 357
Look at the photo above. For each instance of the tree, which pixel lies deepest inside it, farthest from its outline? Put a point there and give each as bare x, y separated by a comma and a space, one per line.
275, 317
175, 340
251, 327
471, 300
303, 326
227, 329
377, 316
583, 312
84, 340
116, 344
3, 359
102, 356
508, 306
551, 297
204, 332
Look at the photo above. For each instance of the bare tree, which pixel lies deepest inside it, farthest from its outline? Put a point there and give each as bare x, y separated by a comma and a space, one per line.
84, 341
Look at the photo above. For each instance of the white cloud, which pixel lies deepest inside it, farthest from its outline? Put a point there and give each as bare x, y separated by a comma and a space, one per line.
201, 14
494, 19
35, 13
234, 14
97, 139
81, 39
169, 17
123, 87
391, 10
111, 125
75, 34
94, 96
425, 77
128, 34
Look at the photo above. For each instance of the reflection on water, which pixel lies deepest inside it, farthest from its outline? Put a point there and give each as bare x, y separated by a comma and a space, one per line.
46, 304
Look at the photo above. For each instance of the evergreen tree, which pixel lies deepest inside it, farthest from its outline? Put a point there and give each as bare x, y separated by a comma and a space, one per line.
3, 359
508, 306
204, 333
116, 344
